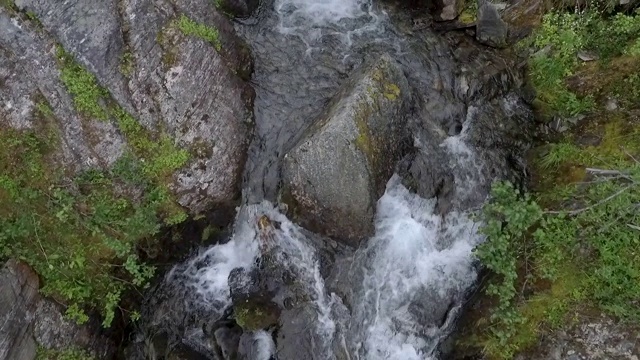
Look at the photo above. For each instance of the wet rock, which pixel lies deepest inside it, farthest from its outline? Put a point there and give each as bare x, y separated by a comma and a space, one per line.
490, 29
184, 353
238, 8
446, 10
256, 346
18, 298
425, 173
30, 321
338, 170
192, 90
53, 331
296, 335
228, 339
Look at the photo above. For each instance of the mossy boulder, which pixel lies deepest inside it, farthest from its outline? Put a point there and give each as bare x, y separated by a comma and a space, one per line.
335, 174
256, 313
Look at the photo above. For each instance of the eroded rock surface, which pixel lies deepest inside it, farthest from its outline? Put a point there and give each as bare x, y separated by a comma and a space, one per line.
174, 83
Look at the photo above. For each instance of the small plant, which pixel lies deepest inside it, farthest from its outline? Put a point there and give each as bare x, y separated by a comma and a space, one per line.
192, 28
88, 96
127, 64
68, 354
559, 153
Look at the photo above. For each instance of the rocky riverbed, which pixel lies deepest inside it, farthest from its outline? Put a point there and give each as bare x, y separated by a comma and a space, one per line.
351, 143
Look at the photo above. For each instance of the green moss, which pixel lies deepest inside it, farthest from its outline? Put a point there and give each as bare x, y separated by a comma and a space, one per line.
256, 314
88, 96
127, 64
190, 27
9, 5
68, 354
159, 154
391, 91
469, 12
44, 109
363, 139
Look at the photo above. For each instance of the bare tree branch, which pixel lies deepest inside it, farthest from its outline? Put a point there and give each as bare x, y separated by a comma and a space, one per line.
631, 156
607, 199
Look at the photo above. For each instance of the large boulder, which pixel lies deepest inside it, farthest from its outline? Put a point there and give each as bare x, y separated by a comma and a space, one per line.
490, 29
29, 321
153, 65
335, 174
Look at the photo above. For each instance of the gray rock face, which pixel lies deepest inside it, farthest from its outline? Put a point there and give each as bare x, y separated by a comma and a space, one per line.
490, 29
593, 338
338, 170
18, 297
191, 90
29, 321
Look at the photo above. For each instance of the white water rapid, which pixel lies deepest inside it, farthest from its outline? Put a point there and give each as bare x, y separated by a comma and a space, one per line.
416, 257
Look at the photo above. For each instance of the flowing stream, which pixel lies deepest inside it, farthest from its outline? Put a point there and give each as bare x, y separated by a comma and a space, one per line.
418, 264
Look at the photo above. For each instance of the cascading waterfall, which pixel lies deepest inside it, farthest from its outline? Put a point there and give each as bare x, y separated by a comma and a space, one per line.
418, 259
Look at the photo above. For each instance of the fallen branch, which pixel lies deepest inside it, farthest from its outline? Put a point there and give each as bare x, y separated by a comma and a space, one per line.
634, 227
631, 156
607, 199
605, 172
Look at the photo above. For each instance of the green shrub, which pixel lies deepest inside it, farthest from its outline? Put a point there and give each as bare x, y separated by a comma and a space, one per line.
587, 249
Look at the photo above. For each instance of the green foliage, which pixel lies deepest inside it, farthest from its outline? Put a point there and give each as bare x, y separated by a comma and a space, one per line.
82, 234
507, 218
586, 251
558, 154
9, 5
158, 155
127, 64
560, 38
192, 28
68, 354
